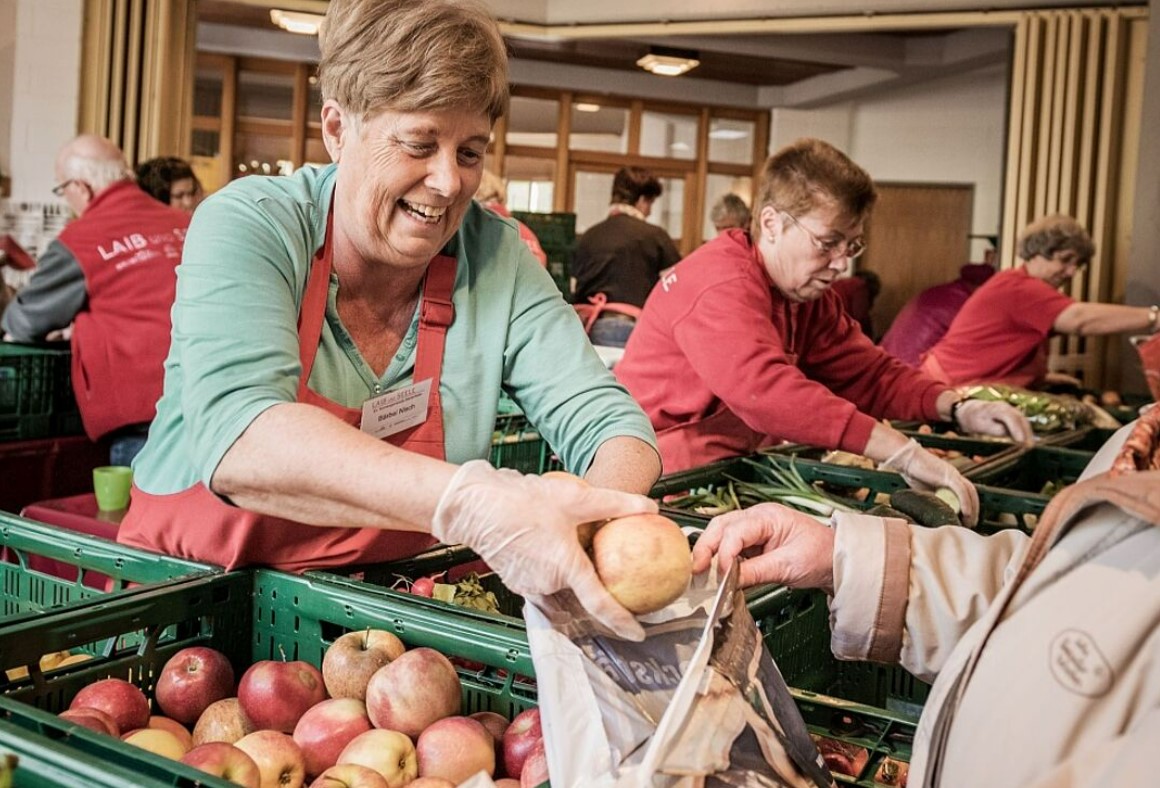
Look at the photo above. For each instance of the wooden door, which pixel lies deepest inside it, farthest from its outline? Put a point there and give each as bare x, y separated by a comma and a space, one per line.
918, 236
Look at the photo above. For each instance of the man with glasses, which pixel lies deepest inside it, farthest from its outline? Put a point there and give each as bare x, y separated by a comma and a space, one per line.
111, 275
742, 344
1001, 333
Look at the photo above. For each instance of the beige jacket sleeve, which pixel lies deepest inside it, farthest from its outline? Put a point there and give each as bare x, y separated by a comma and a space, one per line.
1125, 760
907, 594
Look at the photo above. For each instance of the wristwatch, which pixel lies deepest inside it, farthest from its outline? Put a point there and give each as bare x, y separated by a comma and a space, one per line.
955, 412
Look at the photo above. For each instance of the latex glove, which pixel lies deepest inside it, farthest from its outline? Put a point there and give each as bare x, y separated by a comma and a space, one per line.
923, 471
993, 418
524, 527
792, 549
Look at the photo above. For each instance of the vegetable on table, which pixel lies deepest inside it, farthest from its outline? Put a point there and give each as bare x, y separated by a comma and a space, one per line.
926, 508
778, 484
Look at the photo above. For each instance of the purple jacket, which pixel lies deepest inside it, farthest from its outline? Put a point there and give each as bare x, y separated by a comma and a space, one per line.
927, 316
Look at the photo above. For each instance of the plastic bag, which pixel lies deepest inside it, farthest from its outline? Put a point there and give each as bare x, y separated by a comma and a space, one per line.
698, 703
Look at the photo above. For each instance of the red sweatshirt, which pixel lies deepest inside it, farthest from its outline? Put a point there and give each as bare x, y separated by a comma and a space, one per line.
723, 364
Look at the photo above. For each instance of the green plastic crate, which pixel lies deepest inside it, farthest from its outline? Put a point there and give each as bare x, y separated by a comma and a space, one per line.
36, 396
516, 444
551, 229
999, 508
43, 568
249, 616
1084, 439
1028, 471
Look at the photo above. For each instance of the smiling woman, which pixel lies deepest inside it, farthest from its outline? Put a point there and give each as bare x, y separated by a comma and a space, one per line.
342, 336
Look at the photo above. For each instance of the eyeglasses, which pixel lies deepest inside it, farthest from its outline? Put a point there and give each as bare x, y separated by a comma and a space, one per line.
60, 188
848, 248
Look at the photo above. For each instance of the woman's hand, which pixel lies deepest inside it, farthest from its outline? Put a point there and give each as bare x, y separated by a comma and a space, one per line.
524, 527
923, 471
777, 545
1000, 419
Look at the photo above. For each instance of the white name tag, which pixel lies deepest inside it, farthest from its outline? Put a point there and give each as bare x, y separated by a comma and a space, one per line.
396, 410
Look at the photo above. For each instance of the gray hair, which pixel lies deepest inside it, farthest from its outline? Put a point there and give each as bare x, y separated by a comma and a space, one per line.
97, 173
1056, 233
730, 211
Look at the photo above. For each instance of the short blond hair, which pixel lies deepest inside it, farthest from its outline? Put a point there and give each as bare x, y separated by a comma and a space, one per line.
809, 172
413, 56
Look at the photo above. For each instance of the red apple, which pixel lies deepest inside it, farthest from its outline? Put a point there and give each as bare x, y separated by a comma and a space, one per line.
174, 727
279, 759
325, 729
519, 740
430, 782
389, 753
121, 700
157, 741
496, 724
225, 761
413, 691
93, 719
643, 560
354, 657
275, 695
350, 775
535, 770
224, 720
455, 748
191, 680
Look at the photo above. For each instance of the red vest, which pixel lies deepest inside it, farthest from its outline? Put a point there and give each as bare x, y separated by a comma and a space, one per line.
128, 245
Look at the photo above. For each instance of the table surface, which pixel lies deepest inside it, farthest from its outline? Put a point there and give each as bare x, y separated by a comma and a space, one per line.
76, 513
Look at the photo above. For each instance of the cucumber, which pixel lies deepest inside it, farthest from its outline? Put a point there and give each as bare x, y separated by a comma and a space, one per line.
882, 510
925, 507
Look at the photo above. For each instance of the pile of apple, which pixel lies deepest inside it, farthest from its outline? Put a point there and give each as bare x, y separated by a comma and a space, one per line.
376, 716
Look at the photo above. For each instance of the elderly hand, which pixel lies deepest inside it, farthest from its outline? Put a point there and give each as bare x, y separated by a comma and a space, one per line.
993, 418
791, 548
923, 471
524, 527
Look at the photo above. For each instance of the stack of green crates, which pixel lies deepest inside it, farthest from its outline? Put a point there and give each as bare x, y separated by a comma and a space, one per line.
516, 444
1037, 472
36, 396
557, 235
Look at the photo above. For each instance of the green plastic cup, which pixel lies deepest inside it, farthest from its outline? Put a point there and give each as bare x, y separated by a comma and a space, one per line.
112, 483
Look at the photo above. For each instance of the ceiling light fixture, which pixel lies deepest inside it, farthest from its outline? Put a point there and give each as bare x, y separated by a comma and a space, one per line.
667, 62
584, 106
728, 134
296, 21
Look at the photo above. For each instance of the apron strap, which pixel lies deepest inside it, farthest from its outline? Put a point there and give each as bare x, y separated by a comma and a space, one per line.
313, 311
436, 314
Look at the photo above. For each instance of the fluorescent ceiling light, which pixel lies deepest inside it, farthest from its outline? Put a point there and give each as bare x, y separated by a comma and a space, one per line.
667, 62
584, 106
728, 134
296, 21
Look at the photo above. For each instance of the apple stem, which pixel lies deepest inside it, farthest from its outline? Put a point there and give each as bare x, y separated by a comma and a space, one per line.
282, 651
366, 638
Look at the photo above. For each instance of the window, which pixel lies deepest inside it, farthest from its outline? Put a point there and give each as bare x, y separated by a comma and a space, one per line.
668, 136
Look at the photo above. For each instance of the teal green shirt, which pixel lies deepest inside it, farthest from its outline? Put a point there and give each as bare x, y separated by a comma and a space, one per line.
235, 339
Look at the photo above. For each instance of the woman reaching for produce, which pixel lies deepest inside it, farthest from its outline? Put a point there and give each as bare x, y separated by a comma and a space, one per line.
375, 293
744, 344
1045, 648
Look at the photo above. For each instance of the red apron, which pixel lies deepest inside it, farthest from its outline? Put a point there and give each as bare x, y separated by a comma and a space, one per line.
196, 524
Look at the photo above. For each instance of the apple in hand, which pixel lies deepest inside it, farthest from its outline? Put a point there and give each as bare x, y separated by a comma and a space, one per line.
455, 748
275, 695
225, 761
535, 770
389, 753
326, 728
224, 720
157, 741
643, 560
519, 740
279, 759
191, 680
350, 775
121, 700
353, 658
93, 719
413, 691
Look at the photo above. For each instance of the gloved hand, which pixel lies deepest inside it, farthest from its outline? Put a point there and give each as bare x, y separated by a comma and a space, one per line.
795, 550
923, 471
993, 418
524, 527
